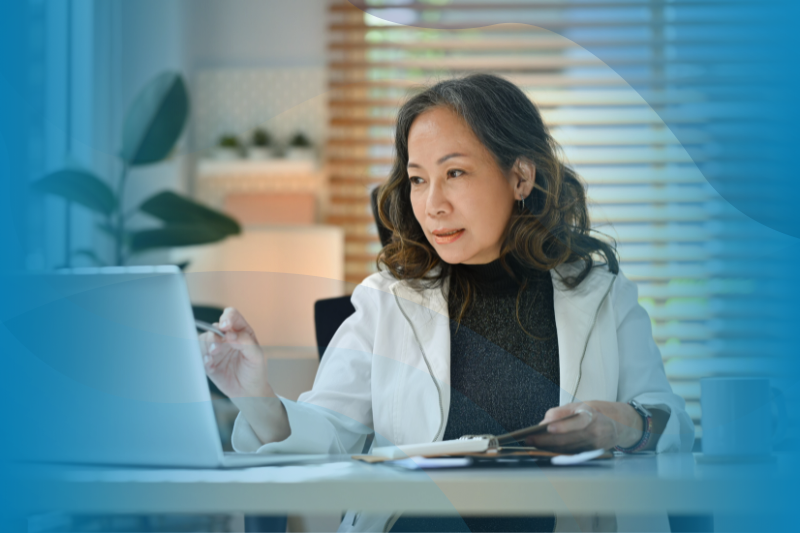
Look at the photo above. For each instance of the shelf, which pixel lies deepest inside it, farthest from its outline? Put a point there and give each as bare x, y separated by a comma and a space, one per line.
209, 168
248, 176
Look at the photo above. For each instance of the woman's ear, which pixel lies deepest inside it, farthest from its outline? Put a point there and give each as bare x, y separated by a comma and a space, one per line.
524, 176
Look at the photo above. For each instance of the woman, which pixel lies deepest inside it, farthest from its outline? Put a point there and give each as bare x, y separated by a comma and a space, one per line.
490, 312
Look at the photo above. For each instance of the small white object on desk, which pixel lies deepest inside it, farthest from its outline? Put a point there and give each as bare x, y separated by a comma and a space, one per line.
563, 460
423, 463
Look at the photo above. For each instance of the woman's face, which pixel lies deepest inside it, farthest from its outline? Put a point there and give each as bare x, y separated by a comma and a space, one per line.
460, 196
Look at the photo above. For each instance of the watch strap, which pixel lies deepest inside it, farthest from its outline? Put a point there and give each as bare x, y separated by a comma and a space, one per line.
647, 429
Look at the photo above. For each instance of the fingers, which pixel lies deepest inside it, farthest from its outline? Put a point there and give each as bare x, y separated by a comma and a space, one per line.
220, 351
204, 340
587, 431
211, 349
562, 443
579, 437
578, 433
217, 355
559, 412
232, 320
575, 423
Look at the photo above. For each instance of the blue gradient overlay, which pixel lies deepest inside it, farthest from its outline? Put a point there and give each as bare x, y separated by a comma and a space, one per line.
743, 56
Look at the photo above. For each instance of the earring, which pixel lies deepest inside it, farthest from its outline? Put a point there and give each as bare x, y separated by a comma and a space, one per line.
521, 203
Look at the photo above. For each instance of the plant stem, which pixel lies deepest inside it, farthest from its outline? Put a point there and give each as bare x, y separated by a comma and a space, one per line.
120, 259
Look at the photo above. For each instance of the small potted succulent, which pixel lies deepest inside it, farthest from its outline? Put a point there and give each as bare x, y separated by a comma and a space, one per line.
260, 146
228, 148
300, 148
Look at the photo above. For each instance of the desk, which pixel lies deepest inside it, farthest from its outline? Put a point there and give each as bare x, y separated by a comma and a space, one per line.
671, 482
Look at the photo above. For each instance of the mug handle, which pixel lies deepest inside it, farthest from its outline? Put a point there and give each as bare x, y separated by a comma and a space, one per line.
780, 404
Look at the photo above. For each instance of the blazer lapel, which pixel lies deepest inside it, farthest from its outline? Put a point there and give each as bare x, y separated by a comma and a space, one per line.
428, 316
576, 310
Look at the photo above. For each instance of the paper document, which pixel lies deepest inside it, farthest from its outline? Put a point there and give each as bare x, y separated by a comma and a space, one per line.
445, 447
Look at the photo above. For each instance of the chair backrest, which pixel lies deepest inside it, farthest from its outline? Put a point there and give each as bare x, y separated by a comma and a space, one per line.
383, 232
328, 316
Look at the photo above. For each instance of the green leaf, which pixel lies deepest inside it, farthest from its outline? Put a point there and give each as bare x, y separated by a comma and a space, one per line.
108, 230
174, 209
79, 186
155, 120
172, 236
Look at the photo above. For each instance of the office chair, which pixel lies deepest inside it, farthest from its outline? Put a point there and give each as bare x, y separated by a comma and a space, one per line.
384, 234
328, 316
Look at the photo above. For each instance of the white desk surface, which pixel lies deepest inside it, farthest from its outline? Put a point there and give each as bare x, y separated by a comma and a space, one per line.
668, 482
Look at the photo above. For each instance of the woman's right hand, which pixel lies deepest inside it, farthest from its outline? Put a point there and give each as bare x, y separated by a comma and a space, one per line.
236, 363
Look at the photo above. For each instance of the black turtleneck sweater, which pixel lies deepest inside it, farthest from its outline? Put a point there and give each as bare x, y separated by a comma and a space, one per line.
504, 372
503, 366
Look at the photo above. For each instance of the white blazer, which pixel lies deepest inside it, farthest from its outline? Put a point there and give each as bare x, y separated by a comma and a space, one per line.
387, 369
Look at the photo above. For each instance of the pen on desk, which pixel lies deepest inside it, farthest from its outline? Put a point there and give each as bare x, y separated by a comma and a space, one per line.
205, 326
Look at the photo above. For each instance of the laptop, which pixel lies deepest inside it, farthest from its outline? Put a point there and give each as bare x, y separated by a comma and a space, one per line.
114, 362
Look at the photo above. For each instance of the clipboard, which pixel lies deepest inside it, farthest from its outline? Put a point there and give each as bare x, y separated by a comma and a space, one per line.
536, 458
468, 445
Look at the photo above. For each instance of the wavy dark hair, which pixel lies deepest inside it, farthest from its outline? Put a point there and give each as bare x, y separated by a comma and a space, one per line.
552, 229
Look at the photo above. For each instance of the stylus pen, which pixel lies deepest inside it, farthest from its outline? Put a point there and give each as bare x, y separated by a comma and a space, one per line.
208, 327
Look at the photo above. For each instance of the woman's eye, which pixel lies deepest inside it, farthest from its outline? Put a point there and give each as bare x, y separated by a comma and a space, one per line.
455, 173
415, 180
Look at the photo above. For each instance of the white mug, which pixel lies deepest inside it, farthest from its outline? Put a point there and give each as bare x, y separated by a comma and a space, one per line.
737, 416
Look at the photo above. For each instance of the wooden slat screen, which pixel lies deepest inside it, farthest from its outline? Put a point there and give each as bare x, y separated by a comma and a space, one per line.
646, 190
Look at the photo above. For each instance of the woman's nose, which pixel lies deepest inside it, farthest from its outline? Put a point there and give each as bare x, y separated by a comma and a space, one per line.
437, 201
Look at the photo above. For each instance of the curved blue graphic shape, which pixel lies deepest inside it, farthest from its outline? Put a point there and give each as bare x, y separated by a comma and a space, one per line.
740, 55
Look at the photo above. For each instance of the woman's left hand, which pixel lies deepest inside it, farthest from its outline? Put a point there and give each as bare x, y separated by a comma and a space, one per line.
598, 425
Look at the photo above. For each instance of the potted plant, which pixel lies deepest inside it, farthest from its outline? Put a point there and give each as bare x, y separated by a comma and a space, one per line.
300, 148
260, 146
151, 130
228, 148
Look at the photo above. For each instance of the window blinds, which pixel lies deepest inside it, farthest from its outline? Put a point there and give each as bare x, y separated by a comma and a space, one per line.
640, 62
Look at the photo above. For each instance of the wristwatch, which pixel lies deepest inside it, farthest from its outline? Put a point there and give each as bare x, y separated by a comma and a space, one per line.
647, 428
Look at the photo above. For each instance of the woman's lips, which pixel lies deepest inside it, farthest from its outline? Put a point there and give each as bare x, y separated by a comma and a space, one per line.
447, 237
